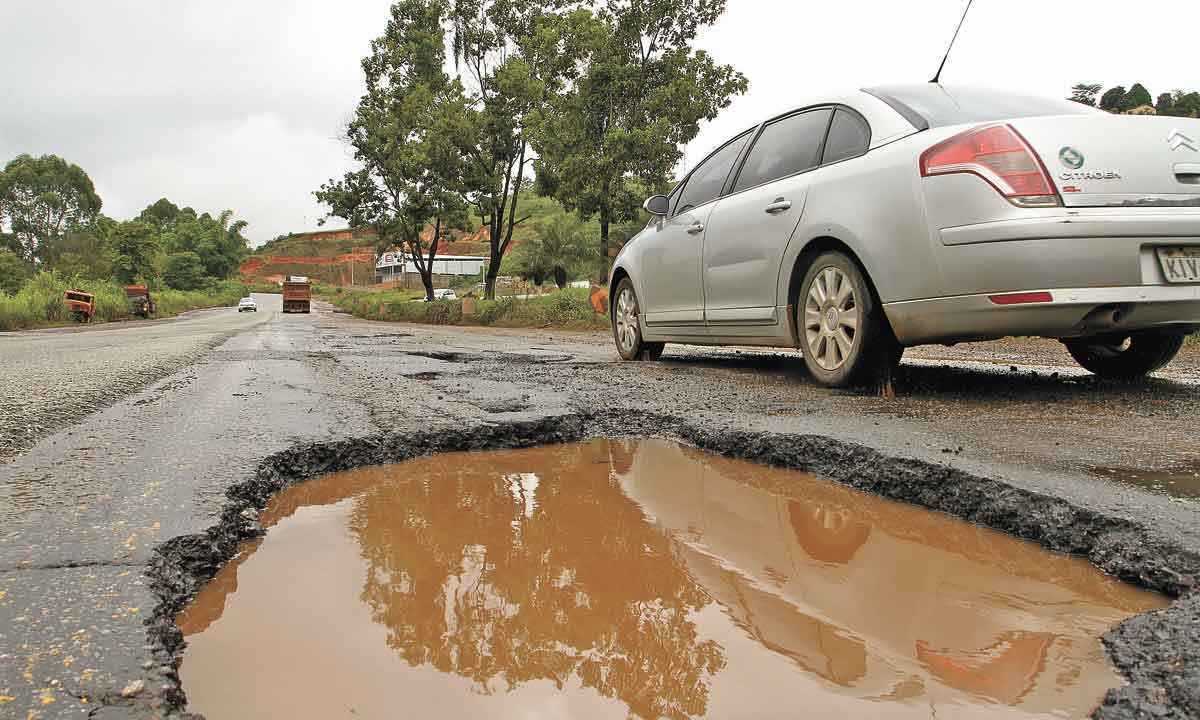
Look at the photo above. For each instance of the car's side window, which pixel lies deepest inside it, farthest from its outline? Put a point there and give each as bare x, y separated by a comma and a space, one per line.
849, 136
707, 180
787, 146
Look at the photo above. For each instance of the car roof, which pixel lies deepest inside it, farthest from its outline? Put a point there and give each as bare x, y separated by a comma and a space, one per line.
927, 105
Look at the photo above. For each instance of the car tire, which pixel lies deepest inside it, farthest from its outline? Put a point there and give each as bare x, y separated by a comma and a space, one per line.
844, 335
627, 328
1126, 357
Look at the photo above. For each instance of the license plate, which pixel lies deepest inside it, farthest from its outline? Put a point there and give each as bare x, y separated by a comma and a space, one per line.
1180, 264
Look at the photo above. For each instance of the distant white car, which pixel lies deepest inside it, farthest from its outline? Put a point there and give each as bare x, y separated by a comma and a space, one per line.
247, 304
446, 294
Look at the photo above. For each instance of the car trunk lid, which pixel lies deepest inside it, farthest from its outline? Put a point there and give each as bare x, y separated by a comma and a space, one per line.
1119, 160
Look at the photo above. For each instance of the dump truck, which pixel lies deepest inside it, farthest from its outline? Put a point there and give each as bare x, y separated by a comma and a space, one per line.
81, 305
140, 302
297, 295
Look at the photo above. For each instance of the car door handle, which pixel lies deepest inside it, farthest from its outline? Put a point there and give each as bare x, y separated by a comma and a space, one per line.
779, 206
696, 229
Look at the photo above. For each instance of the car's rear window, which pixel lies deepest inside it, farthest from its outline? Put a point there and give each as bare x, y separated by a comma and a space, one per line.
933, 105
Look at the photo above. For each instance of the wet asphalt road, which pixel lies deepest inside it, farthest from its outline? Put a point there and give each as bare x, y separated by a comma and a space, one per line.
82, 507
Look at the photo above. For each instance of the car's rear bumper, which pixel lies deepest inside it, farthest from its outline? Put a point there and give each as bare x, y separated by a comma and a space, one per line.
1072, 312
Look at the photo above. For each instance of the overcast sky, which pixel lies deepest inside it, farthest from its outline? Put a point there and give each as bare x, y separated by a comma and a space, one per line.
235, 104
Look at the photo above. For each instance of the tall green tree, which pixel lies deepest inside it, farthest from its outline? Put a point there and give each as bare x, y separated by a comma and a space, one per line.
1165, 104
1186, 104
512, 56
41, 199
217, 241
82, 251
1138, 96
134, 248
1115, 100
407, 133
619, 129
1085, 93
161, 214
183, 271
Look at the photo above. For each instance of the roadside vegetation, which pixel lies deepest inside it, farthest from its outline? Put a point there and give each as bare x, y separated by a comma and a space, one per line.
1137, 100
567, 309
54, 238
39, 301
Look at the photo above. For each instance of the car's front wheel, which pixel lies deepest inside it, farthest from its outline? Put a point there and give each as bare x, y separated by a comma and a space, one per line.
627, 330
1126, 357
844, 335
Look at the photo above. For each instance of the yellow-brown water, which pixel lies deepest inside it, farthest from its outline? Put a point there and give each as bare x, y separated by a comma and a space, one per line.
638, 579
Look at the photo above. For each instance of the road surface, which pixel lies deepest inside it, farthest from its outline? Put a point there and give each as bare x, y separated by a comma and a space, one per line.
120, 437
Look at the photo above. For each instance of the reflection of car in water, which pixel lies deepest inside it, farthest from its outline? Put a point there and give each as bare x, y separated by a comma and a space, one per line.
880, 599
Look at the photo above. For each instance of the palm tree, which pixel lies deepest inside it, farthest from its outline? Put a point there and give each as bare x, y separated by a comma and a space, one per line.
559, 244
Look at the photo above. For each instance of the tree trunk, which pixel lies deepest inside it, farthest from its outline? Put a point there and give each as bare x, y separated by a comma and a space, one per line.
604, 267
489, 282
427, 281
605, 223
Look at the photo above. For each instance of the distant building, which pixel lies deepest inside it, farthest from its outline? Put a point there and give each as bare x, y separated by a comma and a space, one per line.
399, 269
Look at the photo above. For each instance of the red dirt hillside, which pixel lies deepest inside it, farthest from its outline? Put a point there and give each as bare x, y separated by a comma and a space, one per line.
338, 257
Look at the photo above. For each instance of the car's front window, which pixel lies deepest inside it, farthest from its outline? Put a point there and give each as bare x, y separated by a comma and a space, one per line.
707, 181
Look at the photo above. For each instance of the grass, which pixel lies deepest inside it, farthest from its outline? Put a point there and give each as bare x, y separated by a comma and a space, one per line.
39, 303
568, 309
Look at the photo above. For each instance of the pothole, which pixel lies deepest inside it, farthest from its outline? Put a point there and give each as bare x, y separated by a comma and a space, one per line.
637, 579
424, 376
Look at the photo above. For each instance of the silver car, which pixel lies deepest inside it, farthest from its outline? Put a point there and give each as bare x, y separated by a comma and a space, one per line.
908, 215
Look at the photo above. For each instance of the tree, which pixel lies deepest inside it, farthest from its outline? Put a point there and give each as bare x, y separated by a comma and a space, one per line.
183, 271
1085, 93
218, 242
1138, 96
1165, 105
161, 214
407, 132
617, 132
134, 248
82, 251
41, 198
560, 246
1115, 100
516, 54
13, 272
1187, 104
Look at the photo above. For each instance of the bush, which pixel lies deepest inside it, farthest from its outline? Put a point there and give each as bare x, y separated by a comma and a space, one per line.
566, 309
13, 272
183, 271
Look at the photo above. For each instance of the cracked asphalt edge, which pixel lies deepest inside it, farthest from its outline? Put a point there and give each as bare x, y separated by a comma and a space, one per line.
1151, 650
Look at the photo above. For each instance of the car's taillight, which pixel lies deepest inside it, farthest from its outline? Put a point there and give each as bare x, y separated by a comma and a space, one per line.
998, 154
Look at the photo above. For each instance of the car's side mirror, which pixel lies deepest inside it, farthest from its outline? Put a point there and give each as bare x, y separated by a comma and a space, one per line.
659, 205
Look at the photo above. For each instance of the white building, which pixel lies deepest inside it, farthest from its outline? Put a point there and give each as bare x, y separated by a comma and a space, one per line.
394, 266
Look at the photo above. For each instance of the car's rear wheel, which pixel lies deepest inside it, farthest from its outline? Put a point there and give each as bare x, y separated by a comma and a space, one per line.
1126, 357
627, 330
844, 335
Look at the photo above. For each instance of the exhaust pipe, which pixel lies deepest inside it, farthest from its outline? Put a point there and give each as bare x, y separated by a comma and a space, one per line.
1104, 319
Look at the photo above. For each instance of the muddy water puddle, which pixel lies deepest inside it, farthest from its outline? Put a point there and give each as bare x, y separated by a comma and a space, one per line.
617, 579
